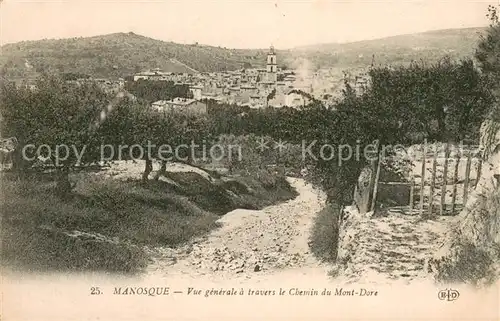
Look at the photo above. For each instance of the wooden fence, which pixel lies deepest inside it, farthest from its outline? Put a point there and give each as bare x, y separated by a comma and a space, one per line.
438, 184
366, 187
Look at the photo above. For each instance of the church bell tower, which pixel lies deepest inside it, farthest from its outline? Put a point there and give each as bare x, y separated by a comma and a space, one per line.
272, 66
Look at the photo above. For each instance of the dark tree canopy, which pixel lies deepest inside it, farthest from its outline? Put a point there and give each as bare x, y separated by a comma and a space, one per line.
152, 91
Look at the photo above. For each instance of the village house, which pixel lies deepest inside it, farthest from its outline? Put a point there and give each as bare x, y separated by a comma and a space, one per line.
289, 80
233, 91
196, 91
281, 86
361, 83
28, 84
248, 89
277, 101
256, 101
253, 77
212, 96
154, 74
295, 99
160, 105
184, 105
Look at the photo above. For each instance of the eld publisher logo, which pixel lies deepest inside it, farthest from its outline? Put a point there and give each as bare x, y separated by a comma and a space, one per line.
448, 295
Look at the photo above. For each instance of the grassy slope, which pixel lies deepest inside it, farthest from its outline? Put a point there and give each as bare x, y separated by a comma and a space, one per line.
128, 214
121, 54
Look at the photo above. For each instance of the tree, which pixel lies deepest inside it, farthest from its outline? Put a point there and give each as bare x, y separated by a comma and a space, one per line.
271, 95
59, 115
488, 50
443, 101
488, 57
154, 90
244, 153
470, 251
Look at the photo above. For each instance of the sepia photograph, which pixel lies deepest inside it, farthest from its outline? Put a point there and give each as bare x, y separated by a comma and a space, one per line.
249, 160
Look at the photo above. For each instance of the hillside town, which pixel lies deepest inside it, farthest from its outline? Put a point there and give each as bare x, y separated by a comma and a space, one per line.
256, 88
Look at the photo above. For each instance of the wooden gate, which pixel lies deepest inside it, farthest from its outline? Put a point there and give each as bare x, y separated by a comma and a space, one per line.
438, 184
442, 179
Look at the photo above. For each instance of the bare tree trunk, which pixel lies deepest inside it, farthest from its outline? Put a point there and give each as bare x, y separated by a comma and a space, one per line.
147, 170
18, 163
63, 185
161, 171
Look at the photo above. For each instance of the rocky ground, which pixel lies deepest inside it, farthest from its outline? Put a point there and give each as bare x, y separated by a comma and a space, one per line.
389, 249
272, 244
250, 243
267, 244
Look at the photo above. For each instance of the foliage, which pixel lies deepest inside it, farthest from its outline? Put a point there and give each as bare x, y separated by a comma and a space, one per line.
271, 95
488, 49
443, 101
157, 134
488, 56
152, 91
471, 253
56, 113
74, 76
123, 217
244, 154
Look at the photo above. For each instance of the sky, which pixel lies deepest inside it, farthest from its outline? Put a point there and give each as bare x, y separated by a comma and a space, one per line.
236, 23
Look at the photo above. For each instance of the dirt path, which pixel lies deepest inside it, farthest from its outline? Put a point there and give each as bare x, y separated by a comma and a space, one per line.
251, 244
391, 249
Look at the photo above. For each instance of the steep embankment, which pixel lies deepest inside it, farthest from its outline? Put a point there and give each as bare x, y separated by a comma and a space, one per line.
451, 249
470, 252
251, 244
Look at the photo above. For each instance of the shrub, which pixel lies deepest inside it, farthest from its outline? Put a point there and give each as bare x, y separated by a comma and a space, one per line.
325, 233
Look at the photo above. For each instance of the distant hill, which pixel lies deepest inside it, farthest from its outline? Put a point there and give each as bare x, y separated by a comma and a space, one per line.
121, 54
432, 45
118, 55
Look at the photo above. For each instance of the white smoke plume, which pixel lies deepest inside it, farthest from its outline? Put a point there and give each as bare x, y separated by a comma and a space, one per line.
303, 73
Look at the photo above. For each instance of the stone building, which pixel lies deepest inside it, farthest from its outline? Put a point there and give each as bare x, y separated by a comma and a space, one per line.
271, 66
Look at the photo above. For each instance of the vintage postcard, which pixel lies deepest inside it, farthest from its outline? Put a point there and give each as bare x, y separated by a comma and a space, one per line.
249, 160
